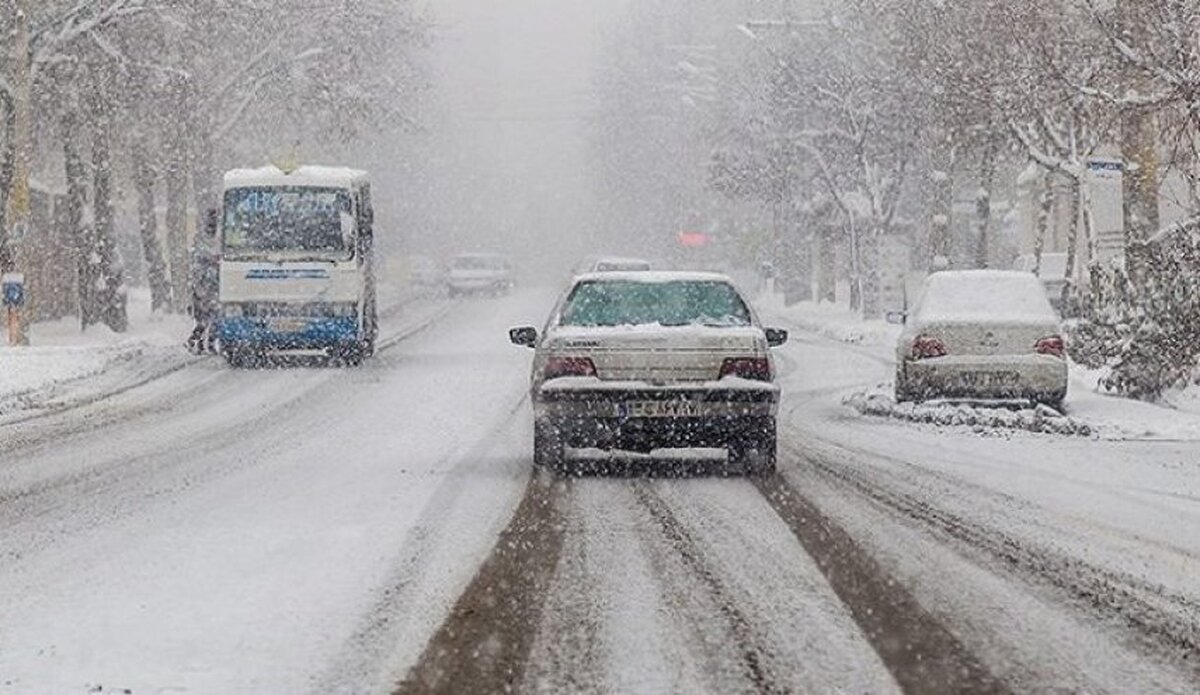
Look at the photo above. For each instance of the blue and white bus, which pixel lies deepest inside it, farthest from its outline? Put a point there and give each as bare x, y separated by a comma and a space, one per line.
297, 261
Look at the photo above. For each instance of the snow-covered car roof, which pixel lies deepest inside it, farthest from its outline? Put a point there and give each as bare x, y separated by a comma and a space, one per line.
619, 263
307, 176
654, 276
985, 296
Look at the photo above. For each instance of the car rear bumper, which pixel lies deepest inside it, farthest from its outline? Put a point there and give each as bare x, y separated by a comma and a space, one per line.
642, 419
1005, 376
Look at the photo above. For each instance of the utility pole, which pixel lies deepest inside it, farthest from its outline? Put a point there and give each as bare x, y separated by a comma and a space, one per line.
18, 213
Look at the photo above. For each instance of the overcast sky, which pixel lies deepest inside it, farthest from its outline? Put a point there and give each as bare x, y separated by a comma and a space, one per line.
512, 81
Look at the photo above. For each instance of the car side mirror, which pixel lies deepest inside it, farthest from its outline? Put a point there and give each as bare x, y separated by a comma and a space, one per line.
897, 318
776, 336
525, 336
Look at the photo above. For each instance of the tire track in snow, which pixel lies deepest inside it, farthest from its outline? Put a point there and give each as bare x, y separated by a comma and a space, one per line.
922, 655
1160, 619
752, 652
484, 644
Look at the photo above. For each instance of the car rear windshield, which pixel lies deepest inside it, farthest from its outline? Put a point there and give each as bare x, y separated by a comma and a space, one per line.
672, 303
985, 297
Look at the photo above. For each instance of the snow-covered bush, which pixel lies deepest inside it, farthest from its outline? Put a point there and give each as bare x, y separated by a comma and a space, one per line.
1145, 331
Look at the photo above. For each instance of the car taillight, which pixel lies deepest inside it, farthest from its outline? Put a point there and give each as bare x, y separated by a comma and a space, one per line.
1051, 345
756, 368
925, 346
569, 366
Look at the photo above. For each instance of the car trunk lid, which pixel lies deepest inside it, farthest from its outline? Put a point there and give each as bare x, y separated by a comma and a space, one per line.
659, 354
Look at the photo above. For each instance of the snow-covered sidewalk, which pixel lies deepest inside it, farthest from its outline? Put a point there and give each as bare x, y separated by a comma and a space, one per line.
1090, 410
63, 365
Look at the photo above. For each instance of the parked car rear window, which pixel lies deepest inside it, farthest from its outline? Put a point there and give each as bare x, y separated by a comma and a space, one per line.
674, 303
985, 296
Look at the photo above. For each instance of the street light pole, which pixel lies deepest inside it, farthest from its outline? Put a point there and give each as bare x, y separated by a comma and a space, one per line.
18, 214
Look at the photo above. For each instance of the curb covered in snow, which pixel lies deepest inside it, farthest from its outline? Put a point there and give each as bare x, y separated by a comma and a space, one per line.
980, 419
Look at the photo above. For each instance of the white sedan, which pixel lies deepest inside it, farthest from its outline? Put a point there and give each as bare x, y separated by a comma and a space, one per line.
645, 360
985, 334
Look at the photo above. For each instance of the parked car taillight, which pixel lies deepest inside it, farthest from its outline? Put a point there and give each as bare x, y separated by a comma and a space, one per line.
756, 368
925, 346
1051, 345
569, 366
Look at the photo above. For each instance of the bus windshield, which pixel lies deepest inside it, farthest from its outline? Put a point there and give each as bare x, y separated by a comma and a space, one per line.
286, 219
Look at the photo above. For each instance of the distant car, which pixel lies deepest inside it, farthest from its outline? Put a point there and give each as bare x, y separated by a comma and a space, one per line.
480, 273
645, 360
614, 264
981, 334
426, 274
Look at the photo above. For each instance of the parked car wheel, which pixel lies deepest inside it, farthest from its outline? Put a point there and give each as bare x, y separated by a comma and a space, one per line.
904, 390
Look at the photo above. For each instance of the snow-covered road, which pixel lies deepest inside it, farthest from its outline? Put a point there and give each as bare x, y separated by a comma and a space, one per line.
261, 531
332, 530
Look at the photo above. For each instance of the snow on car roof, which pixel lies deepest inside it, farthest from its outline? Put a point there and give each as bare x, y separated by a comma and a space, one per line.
308, 176
654, 276
621, 260
985, 296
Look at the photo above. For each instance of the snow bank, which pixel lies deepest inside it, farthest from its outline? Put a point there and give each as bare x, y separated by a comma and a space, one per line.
835, 321
979, 418
62, 364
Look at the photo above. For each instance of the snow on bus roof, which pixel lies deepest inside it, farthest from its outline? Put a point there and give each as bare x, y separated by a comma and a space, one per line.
655, 276
308, 175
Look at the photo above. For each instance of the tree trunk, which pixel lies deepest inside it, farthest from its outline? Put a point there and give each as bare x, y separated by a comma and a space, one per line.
75, 172
204, 177
8, 163
872, 289
983, 202
1076, 194
1042, 222
110, 283
826, 261
144, 179
942, 198
855, 266
175, 176
176, 221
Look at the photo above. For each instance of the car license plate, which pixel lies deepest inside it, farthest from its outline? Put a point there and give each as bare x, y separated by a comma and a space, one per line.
289, 325
991, 378
656, 409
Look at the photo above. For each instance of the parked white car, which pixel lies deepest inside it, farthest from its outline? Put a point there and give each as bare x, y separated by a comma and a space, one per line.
988, 334
645, 360
480, 273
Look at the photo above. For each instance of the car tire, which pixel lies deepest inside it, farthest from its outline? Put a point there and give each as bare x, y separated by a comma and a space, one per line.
549, 451
903, 390
238, 358
348, 355
754, 454
1053, 400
